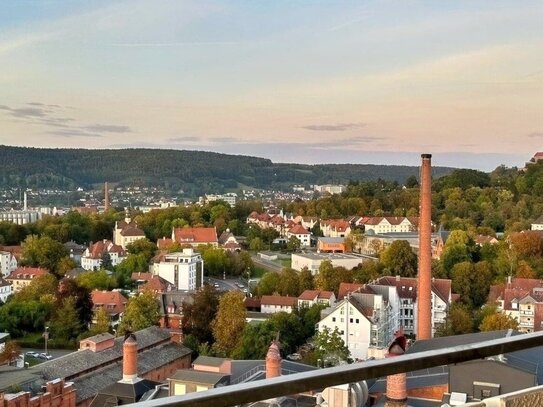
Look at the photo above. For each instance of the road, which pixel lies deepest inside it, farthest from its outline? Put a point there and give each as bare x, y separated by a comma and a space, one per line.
266, 264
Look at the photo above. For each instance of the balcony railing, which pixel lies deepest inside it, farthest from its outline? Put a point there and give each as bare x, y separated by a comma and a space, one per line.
322, 378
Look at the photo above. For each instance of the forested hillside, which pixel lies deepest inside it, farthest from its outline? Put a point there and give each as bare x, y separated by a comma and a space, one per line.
193, 171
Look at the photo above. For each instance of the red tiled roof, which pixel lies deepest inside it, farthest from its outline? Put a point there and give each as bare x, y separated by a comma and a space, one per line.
97, 249
252, 302
132, 231
278, 300
112, 301
164, 243
298, 230
407, 286
482, 239
27, 273
195, 235
346, 288
309, 295
141, 276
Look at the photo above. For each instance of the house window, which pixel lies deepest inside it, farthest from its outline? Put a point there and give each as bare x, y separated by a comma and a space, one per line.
351, 320
357, 321
333, 319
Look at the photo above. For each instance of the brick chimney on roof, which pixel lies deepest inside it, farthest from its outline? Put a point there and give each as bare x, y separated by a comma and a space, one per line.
130, 359
424, 281
273, 361
396, 390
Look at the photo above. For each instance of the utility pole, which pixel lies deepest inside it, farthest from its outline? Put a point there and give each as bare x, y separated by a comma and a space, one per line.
46, 337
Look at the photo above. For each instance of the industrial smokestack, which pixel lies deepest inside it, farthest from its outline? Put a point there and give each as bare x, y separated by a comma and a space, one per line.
106, 197
396, 386
130, 359
424, 282
25, 202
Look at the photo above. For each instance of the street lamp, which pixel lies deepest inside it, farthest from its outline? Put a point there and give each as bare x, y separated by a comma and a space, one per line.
46, 337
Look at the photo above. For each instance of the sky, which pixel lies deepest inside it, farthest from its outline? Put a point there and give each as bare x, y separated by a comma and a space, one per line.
296, 81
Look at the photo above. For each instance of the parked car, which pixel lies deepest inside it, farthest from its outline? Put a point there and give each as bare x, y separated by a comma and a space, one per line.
33, 354
46, 356
294, 356
216, 285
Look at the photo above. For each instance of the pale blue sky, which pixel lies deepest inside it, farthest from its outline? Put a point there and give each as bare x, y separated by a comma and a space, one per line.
297, 81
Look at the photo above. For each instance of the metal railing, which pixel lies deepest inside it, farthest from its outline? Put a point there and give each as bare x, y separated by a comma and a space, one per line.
319, 379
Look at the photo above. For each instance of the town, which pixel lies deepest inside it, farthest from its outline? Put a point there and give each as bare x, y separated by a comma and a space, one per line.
211, 283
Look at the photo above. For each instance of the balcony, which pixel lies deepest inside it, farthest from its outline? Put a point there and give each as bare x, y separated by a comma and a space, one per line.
303, 382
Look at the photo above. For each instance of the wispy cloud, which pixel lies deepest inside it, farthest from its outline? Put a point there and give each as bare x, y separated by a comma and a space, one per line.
51, 115
184, 139
333, 127
536, 134
107, 128
73, 133
226, 140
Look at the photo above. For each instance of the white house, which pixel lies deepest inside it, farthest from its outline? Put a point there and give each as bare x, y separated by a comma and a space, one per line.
313, 260
362, 320
315, 297
8, 263
300, 233
5, 290
390, 224
185, 270
126, 231
271, 304
538, 223
92, 258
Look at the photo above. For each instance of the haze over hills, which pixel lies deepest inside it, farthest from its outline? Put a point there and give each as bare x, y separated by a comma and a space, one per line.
192, 171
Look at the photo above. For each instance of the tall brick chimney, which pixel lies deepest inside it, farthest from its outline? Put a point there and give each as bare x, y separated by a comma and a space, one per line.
106, 197
273, 361
396, 392
424, 282
130, 359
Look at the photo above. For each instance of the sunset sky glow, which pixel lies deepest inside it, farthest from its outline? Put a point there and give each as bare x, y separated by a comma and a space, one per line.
294, 81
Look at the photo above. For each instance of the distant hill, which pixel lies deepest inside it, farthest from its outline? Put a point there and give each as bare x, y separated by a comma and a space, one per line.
195, 172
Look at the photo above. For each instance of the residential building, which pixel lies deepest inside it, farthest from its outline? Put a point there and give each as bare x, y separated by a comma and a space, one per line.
313, 260
362, 320
300, 233
151, 282
522, 300
230, 198
171, 308
126, 231
406, 288
228, 241
8, 263
335, 228
535, 159
538, 224
185, 270
481, 240
112, 301
5, 290
195, 236
390, 224
23, 276
270, 304
315, 297
331, 245
330, 188
75, 251
95, 253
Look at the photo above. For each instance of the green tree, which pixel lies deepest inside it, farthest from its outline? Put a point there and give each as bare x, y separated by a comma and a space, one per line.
43, 252
268, 284
330, 348
289, 283
198, 314
256, 244
230, 321
10, 352
144, 246
329, 278
65, 264
293, 243
102, 322
65, 324
459, 321
106, 263
399, 259
142, 311
306, 280
96, 280
497, 322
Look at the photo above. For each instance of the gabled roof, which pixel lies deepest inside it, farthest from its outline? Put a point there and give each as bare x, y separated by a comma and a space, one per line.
97, 249
132, 231
174, 298
346, 288
27, 273
298, 230
195, 235
310, 295
164, 243
538, 221
113, 301
407, 286
484, 239
279, 300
